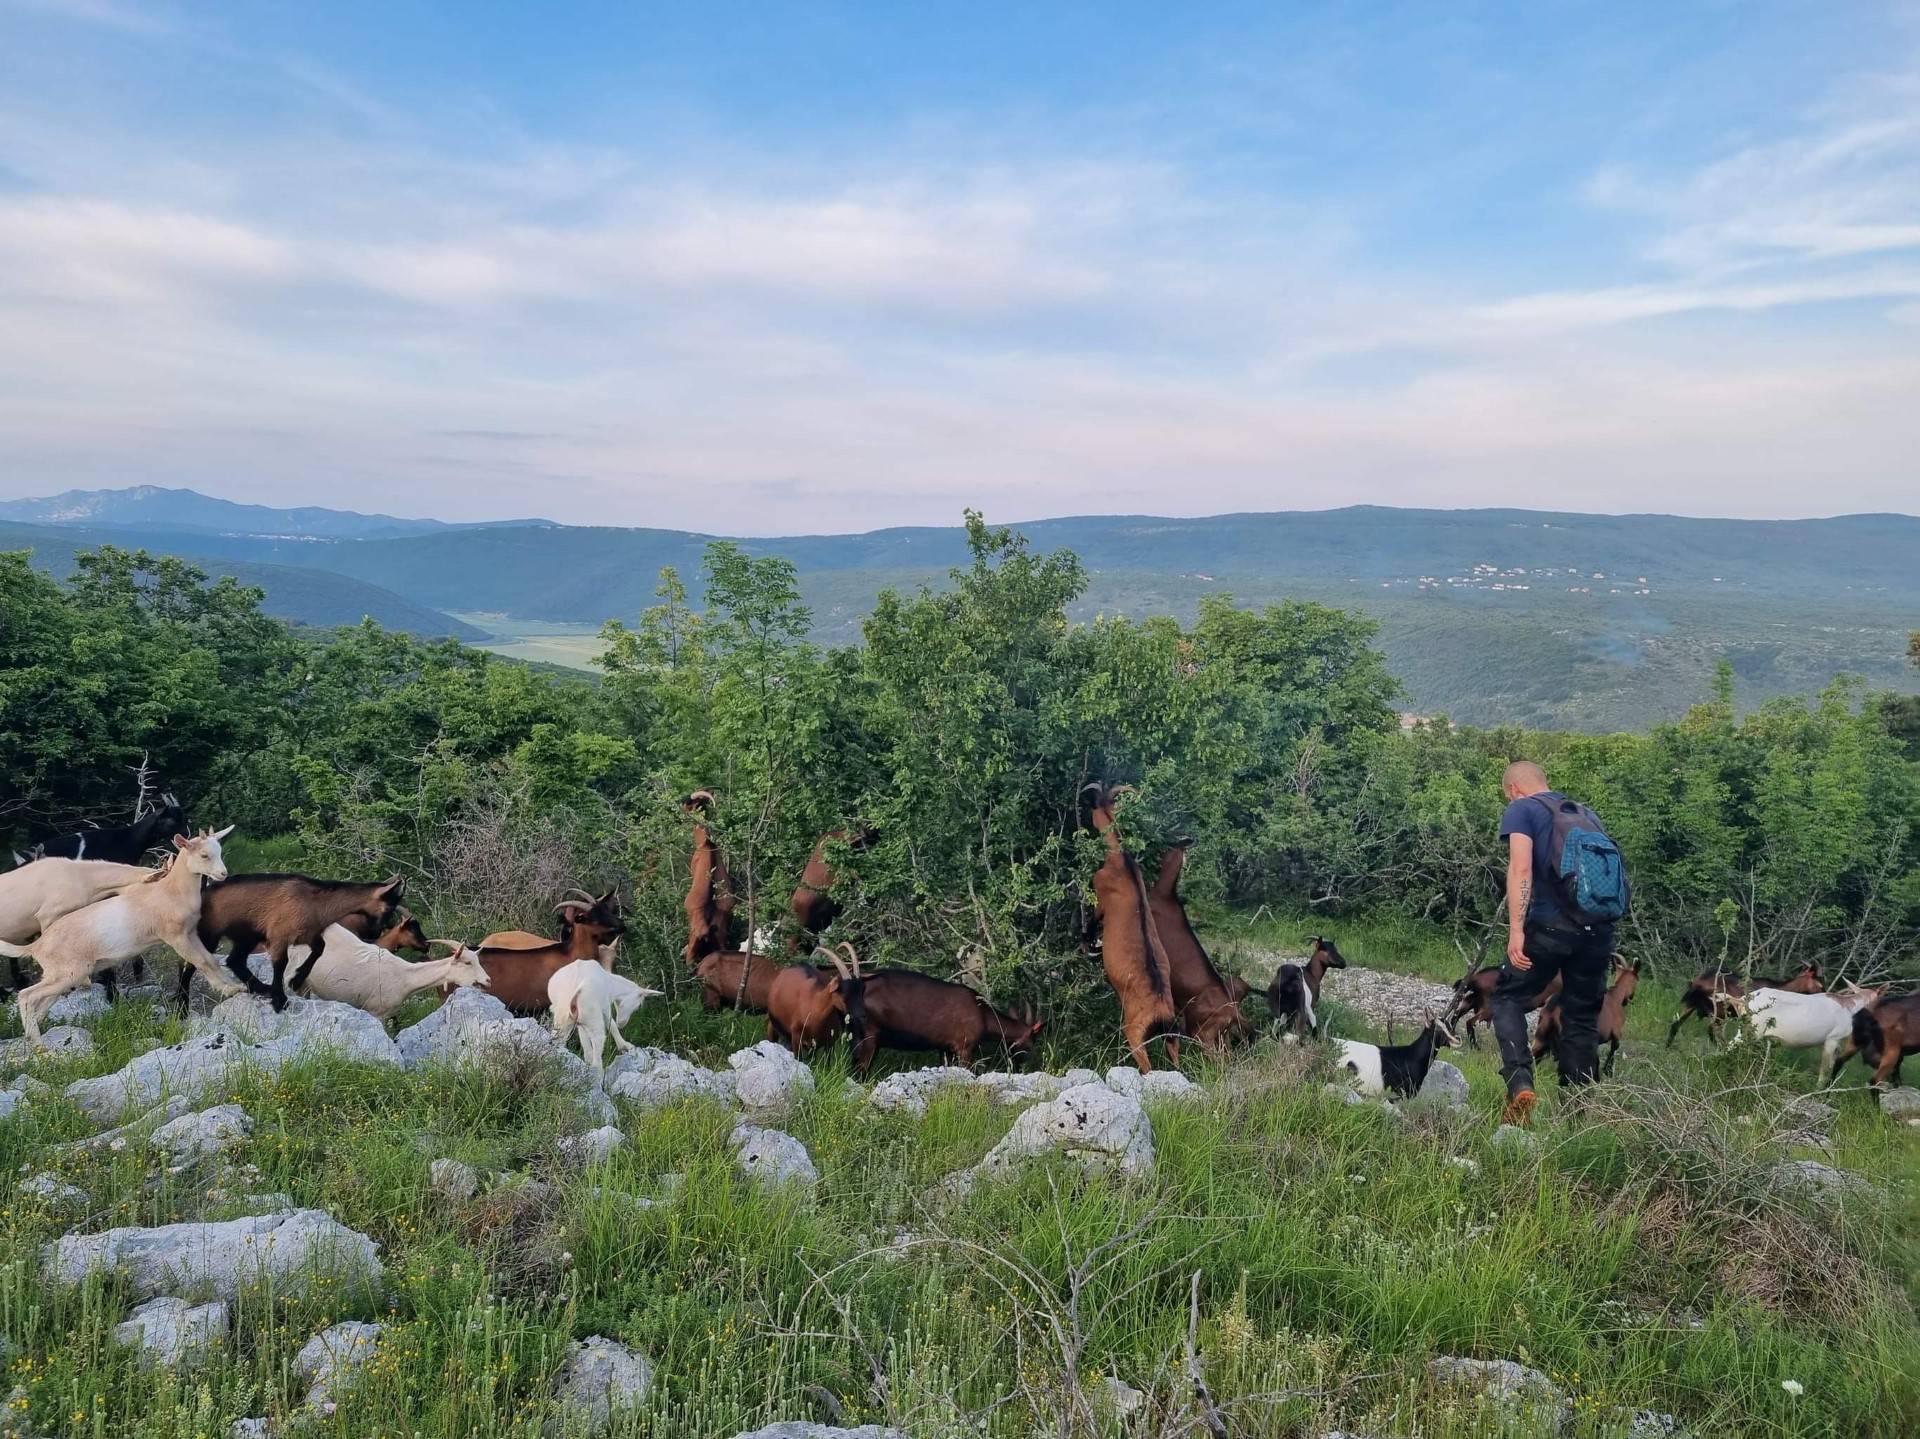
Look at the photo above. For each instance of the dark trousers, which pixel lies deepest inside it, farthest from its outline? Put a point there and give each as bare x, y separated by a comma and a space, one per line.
1581, 958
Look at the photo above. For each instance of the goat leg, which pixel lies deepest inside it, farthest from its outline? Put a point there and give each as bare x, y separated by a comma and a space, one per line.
277, 991
109, 980
236, 962
313, 957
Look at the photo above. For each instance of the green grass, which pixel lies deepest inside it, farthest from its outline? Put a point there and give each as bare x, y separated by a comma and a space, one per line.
1337, 1251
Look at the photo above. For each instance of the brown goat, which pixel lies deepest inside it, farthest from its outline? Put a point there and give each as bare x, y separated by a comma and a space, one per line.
719, 976
1884, 1034
709, 903
813, 905
401, 931
1473, 999
527, 939
278, 911
1208, 1002
806, 1007
1707, 997
518, 977
1130, 949
1612, 1026
903, 1009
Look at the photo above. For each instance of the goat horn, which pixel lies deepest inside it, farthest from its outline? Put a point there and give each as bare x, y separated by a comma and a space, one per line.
453, 944
834, 959
853, 956
590, 899
569, 907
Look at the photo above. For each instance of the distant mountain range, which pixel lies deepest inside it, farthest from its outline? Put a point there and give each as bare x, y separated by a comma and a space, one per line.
1581, 621
156, 507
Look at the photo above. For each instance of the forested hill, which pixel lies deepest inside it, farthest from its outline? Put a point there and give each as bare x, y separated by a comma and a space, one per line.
298, 595
1576, 621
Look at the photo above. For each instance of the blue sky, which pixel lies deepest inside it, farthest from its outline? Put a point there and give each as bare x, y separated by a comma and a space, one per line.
759, 268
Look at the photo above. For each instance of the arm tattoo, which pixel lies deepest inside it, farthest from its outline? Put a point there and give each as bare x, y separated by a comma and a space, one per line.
1526, 896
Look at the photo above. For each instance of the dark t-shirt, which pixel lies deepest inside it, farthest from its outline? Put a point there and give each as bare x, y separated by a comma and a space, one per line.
1534, 819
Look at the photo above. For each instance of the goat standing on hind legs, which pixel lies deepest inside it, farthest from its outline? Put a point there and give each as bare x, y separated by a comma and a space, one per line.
1130, 947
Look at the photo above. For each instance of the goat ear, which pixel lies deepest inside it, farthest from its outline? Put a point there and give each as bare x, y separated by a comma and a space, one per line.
180, 841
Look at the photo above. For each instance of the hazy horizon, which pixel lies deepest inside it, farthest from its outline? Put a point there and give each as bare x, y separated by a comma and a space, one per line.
764, 271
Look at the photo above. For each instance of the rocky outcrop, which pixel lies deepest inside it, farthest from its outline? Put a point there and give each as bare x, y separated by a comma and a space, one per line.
1090, 1123
769, 1156
768, 1080
218, 1258
598, 1379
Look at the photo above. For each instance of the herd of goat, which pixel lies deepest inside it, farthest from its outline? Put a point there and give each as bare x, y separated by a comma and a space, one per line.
81, 904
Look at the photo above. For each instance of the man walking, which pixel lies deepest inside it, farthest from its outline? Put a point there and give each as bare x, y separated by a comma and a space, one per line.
1566, 888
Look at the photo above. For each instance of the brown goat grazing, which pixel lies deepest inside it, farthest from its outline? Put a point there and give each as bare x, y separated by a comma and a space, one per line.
719, 976
1293, 996
1884, 1034
1473, 999
902, 1009
1130, 949
710, 901
813, 905
1709, 995
1208, 1002
518, 977
1612, 1025
278, 911
806, 1007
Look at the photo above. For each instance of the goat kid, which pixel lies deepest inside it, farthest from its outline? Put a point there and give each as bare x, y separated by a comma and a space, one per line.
1294, 994
163, 910
1612, 1024
586, 996
275, 912
1400, 1068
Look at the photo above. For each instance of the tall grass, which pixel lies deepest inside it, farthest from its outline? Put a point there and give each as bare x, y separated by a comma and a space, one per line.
1637, 1255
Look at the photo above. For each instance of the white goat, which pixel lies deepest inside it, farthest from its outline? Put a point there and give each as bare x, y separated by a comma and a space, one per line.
586, 995
165, 910
1804, 1021
35, 895
357, 972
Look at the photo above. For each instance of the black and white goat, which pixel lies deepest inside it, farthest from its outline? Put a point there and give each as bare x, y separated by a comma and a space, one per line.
1399, 1068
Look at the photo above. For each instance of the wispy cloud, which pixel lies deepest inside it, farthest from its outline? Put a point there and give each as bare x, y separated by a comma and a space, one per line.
352, 293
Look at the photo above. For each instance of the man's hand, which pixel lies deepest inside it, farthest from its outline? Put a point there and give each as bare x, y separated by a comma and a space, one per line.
1517, 950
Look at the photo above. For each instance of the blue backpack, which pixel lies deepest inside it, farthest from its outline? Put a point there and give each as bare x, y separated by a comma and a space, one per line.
1589, 876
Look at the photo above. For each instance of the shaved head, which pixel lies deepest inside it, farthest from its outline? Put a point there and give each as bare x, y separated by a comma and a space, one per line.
1523, 777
